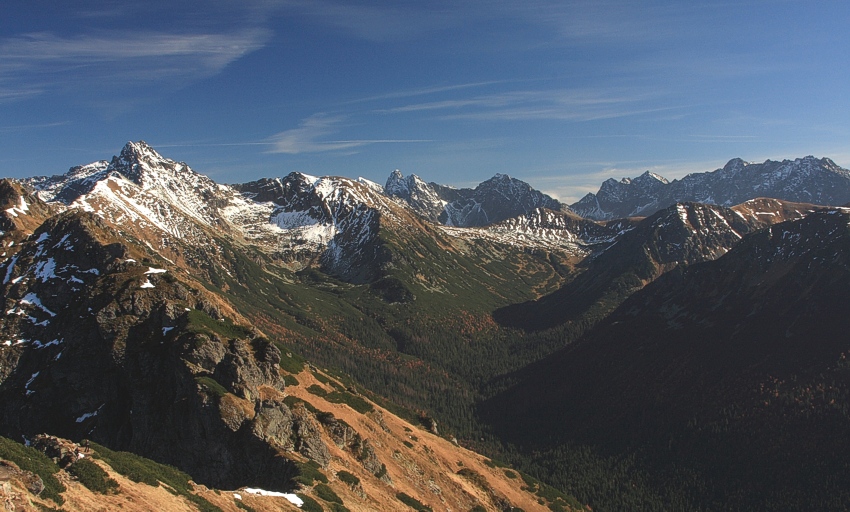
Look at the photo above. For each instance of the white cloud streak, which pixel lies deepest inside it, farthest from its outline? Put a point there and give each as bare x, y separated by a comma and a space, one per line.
564, 104
40, 62
311, 135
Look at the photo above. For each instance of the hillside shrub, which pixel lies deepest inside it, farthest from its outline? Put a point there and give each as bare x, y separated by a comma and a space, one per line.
211, 385
30, 459
317, 390
355, 402
88, 473
202, 323
308, 472
290, 361
326, 493
243, 506
142, 470
310, 505
348, 478
412, 502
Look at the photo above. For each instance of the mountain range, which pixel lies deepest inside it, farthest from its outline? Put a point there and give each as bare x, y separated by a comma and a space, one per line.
154, 311
804, 180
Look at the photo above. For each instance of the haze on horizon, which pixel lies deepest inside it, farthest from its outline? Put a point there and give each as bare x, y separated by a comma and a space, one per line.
559, 94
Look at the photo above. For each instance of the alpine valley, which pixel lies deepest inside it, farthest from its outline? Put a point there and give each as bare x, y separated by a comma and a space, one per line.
326, 343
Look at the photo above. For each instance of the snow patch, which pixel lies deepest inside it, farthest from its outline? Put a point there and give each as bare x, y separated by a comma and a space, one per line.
45, 270
295, 500
38, 344
22, 208
31, 299
27, 386
10, 268
88, 415
152, 270
147, 284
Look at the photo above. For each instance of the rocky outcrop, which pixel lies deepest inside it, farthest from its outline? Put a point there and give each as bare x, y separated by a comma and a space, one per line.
61, 451
308, 436
124, 354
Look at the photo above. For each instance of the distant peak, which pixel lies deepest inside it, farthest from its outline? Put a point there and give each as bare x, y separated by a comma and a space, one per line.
650, 176
397, 185
734, 164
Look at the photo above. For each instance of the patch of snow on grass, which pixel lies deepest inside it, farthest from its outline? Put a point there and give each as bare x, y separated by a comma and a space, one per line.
152, 270
147, 284
295, 500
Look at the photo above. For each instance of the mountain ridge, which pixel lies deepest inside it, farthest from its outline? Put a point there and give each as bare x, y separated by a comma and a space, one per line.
803, 180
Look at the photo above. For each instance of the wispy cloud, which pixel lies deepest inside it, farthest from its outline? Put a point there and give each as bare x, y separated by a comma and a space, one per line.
312, 137
25, 127
44, 61
388, 22
424, 91
563, 104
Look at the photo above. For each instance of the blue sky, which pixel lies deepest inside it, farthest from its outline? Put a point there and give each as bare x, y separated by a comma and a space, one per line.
562, 94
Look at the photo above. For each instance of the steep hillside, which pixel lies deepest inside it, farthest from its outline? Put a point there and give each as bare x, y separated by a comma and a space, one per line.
722, 379
680, 235
114, 345
351, 453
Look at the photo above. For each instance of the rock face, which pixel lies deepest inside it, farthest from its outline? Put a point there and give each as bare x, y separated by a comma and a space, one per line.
122, 354
428, 199
804, 180
499, 198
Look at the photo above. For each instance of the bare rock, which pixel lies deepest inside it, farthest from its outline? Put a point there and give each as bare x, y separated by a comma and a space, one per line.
308, 437
274, 424
63, 452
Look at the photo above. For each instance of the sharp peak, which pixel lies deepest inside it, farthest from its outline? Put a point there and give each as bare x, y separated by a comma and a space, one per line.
650, 174
398, 175
139, 149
